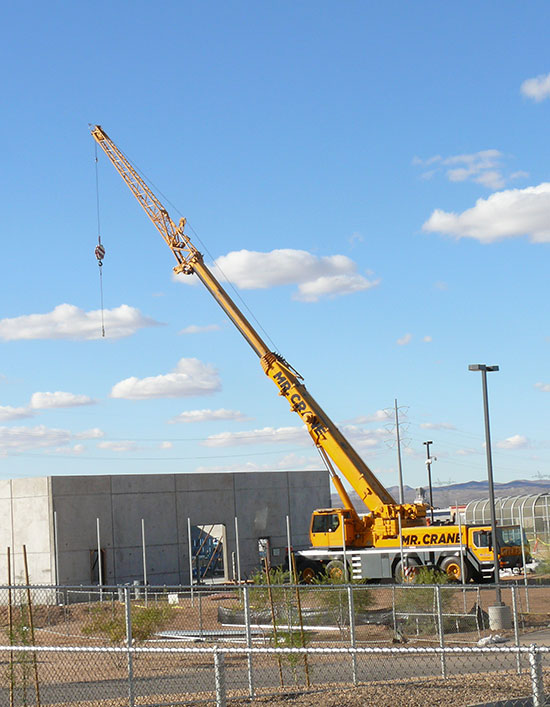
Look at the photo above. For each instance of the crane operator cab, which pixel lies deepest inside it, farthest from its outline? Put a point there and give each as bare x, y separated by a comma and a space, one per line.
333, 527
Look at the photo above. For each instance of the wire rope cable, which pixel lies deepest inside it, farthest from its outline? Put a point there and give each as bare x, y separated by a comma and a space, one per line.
100, 250
204, 247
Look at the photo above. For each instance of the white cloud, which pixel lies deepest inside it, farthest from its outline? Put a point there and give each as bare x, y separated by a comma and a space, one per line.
267, 435
427, 339
119, 446
359, 437
189, 378
378, 416
520, 174
42, 401
298, 462
208, 416
545, 387
466, 452
364, 439
75, 450
404, 340
492, 179
484, 167
437, 426
196, 329
69, 322
537, 88
316, 277
332, 286
514, 442
94, 433
165, 445
290, 462
59, 399
10, 413
506, 214
26, 438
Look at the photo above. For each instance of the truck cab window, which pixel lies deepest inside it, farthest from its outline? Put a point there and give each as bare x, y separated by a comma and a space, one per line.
482, 538
325, 523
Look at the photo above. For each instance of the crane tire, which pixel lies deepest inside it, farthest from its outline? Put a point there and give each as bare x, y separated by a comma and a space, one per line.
452, 567
336, 571
406, 574
308, 572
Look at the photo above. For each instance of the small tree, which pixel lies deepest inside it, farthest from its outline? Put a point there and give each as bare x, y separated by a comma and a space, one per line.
335, 598
109, 621
417, 602
259, 592
21, 666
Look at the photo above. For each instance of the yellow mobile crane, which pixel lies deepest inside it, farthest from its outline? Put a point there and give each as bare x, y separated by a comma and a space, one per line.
376, 540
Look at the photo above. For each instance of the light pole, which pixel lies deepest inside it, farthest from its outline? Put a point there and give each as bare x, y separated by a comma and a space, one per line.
429, 467
399, 466
484, 369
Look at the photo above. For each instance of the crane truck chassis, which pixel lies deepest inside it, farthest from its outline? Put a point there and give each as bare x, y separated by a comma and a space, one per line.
392, 537
462, 552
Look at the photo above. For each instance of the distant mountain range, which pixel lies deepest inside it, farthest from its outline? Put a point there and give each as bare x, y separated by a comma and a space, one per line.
444, 496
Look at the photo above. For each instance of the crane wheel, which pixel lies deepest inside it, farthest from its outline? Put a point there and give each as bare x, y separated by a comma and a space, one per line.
406, 573
336, 571
452, 567
308, 573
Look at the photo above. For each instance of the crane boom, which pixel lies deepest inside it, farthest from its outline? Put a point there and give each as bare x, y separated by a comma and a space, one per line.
325, 434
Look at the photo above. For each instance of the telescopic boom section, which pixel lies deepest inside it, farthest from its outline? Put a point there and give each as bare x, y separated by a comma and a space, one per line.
323, 431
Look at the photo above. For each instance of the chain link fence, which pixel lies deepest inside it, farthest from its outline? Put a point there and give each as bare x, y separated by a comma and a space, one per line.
178, 675
137, 645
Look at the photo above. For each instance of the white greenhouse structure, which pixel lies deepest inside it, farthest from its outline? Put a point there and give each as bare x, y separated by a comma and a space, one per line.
531, 512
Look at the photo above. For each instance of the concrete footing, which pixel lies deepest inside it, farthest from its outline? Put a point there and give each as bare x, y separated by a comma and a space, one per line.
500, 617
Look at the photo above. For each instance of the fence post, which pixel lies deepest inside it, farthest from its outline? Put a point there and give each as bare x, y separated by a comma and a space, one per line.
440, 628
128, 609
535, 664
190, 551
219, 674
524, 561
246, 590
516, 627
99, 563
352, 633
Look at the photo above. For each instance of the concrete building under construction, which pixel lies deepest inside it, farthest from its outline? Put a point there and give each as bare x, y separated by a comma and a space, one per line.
141, 527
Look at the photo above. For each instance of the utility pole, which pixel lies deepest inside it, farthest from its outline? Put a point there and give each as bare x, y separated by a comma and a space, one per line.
429, 461
399, 466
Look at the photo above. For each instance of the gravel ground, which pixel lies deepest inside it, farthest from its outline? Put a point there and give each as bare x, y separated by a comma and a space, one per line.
459, 691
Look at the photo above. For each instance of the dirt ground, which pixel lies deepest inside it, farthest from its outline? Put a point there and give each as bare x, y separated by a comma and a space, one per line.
461, 691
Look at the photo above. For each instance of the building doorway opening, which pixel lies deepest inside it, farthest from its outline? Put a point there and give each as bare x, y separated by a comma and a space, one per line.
209, 552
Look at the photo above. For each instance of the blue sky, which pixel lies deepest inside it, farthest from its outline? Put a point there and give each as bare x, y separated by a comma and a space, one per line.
372, 179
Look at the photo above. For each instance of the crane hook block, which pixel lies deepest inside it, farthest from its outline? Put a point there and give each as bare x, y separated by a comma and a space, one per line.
99, 254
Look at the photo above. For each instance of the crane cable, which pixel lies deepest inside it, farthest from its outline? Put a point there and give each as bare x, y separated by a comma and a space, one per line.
99, 249
197, 238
